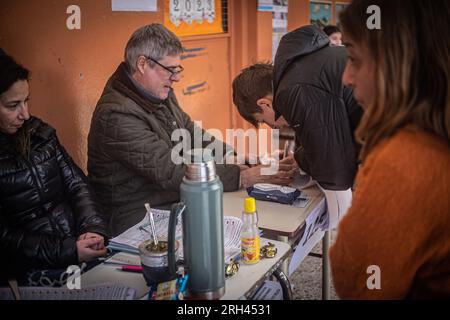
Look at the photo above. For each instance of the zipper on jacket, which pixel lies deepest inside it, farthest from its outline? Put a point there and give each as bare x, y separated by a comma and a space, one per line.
36, 178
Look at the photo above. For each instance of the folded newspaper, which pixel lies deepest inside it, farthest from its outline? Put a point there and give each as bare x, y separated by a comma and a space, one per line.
129, 240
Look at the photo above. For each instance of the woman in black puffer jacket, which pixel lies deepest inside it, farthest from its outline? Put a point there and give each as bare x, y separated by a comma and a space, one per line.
48, 216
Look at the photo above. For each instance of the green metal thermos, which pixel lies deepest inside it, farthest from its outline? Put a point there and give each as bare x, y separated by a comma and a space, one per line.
201, 195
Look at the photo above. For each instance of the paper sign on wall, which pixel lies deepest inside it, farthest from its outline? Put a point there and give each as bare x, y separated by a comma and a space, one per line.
189, 11
193, 17
134, 5
279, 24
273, 5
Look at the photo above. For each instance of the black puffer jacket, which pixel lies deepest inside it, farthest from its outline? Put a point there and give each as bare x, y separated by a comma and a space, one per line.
309, 94
45, 204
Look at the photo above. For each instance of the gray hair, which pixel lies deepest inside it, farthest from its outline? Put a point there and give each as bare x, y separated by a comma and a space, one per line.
153, 40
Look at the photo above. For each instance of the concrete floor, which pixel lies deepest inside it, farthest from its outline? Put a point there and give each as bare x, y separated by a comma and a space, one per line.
306, 281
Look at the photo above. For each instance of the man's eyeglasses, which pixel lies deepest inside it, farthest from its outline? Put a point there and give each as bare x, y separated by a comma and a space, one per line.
173, 70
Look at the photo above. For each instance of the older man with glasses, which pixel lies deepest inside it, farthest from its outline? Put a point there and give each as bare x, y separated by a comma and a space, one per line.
129, 144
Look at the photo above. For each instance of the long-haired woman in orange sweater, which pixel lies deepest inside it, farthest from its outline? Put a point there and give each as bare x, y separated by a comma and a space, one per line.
394, 242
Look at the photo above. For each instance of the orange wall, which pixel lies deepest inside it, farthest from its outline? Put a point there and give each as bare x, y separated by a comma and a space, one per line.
243, 44
208, 71
264, 36
298, 14
70, 67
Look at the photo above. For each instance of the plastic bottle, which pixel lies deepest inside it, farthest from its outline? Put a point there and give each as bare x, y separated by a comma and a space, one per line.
250, 241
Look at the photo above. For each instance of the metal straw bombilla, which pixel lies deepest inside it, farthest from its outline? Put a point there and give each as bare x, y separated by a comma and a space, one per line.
152, 224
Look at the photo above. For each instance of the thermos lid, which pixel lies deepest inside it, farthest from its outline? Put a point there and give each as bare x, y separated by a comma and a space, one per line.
200, 165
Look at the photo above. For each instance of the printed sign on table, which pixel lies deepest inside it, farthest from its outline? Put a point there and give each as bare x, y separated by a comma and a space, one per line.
311, 236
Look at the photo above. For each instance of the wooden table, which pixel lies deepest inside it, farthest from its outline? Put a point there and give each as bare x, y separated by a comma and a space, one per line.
283, 222
241, 286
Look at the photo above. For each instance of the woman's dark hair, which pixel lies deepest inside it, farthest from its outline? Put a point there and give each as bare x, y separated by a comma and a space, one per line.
329, 30
10, 73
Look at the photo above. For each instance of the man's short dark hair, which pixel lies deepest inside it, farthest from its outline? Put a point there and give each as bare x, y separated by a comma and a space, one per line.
252, 84
329, 30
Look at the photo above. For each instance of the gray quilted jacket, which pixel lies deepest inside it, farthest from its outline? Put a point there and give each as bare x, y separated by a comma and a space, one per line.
129, 152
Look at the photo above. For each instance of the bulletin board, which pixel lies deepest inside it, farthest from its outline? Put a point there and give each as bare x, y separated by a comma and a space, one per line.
193, 17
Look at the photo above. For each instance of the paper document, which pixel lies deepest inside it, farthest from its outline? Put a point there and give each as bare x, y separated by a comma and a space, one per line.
324, 217
105, 291
122, 258
311, 236
270, 290
129, 240
133, 5
302, 201
232, 237
338, 203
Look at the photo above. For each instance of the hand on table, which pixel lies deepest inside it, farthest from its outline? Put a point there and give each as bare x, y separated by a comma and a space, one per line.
91, 235
87, 251
283, 176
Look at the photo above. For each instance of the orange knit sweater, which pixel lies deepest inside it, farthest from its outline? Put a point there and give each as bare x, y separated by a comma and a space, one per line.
399, 221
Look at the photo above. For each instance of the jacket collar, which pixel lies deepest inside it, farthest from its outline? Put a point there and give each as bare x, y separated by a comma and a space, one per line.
143, 92
127, 86
37, 129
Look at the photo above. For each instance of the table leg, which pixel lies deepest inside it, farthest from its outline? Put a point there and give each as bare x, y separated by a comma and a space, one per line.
325, 267
284, 265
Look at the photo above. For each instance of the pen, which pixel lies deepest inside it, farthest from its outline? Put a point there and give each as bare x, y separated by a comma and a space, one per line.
130, 268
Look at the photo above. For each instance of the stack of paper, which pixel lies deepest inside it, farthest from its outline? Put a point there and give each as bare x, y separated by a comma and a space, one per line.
270, 290
232, 237
129, 240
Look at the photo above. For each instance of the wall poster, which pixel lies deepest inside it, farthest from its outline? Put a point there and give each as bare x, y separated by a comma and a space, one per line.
320, 13
279, 9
